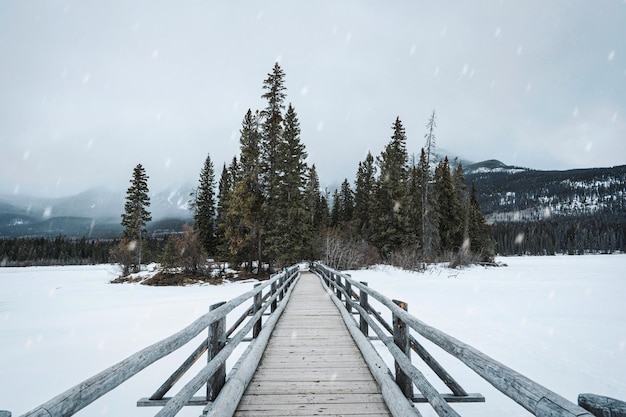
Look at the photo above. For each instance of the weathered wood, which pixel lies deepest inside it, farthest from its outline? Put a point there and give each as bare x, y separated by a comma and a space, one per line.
363, 303
529, 394
435, 399
395, 400
401, 339
601, 406
184, 367
452, 398
239, 379
275, 302
216, 342
149, 402
256, 307
310, 356
178, 401
348, 288
437, 368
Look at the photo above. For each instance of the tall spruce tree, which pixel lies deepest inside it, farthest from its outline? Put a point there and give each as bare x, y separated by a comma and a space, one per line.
271, 136
288, 234
247, 196
136, 214
391, 230
363, 194
225, 187
204, 208
450, 220
479, 232
346, 203
317, 214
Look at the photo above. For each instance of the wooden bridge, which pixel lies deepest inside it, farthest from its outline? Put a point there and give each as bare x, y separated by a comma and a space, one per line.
310, 354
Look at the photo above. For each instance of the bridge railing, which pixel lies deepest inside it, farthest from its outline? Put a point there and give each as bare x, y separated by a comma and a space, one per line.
396, 336
220, 343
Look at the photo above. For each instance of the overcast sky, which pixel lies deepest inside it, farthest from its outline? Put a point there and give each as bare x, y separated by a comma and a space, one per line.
88, 89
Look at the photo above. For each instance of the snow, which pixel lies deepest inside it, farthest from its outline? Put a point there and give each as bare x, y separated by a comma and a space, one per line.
560, 320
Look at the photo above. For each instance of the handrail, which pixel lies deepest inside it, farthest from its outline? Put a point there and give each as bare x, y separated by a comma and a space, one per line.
86, 392
532, 396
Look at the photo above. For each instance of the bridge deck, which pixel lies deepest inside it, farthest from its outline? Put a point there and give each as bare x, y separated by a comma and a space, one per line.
311, 366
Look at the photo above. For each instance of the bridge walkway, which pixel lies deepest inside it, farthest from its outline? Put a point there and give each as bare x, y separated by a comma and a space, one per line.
311, 366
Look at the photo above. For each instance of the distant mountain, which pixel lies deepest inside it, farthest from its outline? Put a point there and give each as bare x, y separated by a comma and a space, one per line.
548, 212
508, 193
92, 213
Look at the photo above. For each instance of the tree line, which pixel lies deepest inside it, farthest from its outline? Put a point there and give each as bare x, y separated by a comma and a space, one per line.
268, 211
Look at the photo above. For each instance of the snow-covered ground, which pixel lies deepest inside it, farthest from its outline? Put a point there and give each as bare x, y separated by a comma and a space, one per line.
559, 320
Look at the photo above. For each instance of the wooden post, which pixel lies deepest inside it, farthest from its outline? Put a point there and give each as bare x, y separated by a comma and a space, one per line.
349, 296
216, 342
402, 340
338, 285
257, 306
273, 308
363, 303
281, 282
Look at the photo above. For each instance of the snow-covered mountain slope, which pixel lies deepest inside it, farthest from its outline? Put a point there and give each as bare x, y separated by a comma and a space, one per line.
95, 212
510, 193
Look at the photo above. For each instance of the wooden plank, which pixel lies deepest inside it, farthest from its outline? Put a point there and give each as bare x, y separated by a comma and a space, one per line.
311, 365
355, 409
312, 399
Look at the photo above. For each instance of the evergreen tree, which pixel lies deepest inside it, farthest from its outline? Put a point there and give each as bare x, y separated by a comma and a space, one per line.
136, 214
317, 214
414, 209
363, 194
288, 233
204, 208
448, 209
271, 136
346, 203
479, 232
391, 231
223, 203
247, 196
335, 211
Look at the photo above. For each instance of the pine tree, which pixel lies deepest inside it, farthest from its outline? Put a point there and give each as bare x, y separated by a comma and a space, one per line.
204, 208
271, 129
448, 209
335, 211
479, 231
414, 209
391, 231
223, 203
346, 203
363, 194
288, 232
247, 196
317, 214
136, 214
